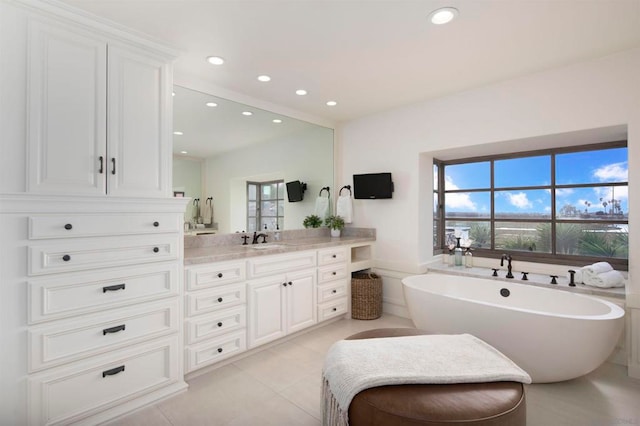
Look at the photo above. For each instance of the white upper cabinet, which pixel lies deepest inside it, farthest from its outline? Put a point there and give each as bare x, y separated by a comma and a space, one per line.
99, 115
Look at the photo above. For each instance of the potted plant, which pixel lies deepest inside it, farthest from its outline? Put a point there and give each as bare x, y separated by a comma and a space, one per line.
335, 223
312, 221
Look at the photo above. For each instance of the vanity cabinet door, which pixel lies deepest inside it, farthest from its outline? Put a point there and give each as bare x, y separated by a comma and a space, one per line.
301, 300
67, 88
267, 299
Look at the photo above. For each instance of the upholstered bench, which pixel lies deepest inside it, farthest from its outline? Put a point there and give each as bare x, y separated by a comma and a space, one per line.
478, 404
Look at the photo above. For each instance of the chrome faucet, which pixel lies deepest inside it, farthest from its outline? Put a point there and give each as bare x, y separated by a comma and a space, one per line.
508, 258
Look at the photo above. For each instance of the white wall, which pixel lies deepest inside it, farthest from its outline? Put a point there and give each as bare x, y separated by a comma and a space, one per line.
187, 178
515, 115
306, 157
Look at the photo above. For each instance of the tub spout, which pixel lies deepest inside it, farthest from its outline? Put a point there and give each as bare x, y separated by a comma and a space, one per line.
508, 258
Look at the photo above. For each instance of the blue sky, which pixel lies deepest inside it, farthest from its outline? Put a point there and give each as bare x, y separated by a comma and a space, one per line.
573, 168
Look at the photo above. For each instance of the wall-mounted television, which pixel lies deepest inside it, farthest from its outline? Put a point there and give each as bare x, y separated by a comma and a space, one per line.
372, 186
295, 190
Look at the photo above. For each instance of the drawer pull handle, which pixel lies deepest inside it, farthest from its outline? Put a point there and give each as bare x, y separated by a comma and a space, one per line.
156, 249
334, 309
284, 284
101, 160
113, 288
66, 258
113, 166
156, 224
290, 283
220, 299
219, 350
334, 256
219, 324
68, 227
334, 291
333, 273
113, 371
113, 329
220, 275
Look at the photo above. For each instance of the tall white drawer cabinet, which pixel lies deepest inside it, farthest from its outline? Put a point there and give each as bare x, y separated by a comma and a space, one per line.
215, 312
66, 323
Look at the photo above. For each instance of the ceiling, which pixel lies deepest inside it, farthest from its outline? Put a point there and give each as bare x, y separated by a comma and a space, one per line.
373, 55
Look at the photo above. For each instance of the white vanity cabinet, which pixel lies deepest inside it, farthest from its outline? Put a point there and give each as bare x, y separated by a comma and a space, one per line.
99, 111
281, 304
215, 313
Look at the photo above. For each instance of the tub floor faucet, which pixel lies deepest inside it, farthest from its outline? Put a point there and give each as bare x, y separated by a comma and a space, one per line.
508, 258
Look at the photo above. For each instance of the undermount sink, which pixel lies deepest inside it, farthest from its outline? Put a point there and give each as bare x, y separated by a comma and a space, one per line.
266, 246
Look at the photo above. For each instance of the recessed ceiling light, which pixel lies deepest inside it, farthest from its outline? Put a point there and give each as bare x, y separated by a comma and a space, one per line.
183, 152
247, 113
264, 78
211, 104
277, 120
215, 60
443, 15
301, 92
178, 133
332, 103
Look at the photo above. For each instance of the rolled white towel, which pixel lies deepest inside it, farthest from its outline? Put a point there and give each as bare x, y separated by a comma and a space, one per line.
595, 269
605, 279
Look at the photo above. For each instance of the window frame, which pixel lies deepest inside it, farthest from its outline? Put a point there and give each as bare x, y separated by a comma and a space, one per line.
279, 201
440, 220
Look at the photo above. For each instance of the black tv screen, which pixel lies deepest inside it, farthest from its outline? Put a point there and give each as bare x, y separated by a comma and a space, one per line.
372, 186
295, 191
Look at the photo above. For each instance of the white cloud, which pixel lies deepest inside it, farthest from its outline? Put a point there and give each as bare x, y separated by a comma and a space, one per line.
519, 200
564, 192
614, 192
457, 200
615, 172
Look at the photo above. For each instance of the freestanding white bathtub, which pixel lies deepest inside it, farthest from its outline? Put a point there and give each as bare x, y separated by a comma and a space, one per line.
554, 335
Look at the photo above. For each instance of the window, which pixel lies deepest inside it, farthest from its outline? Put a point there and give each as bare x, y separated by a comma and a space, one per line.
568, 204
265, 205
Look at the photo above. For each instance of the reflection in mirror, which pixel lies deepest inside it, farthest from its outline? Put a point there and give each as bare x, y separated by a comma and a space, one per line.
223, 152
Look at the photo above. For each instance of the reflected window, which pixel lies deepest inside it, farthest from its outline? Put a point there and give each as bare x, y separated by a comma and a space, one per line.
265, 205
566, 204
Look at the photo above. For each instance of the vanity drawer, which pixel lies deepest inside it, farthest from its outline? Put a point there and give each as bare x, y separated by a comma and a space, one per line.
210, 352
75, 255
68, 393
215, 324
332, 272
72, 339
92, 225
332, 255
332, 309
332, 290
217, 298
272, 265
79, 293
198, 277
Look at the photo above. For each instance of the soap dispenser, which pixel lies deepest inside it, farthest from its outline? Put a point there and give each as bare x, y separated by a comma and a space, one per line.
468, 258
458, 253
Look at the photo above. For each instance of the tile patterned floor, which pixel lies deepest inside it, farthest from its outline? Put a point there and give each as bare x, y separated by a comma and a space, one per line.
281, 386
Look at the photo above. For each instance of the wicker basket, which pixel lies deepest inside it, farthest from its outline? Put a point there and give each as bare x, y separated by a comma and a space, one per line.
366, 296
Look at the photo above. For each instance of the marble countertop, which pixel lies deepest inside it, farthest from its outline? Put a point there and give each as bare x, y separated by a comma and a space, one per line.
533, 279
218, 253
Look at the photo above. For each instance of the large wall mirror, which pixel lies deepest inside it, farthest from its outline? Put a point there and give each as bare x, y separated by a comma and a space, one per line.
236, 160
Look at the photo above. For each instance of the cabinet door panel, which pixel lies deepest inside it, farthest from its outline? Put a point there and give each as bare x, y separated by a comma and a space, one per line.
301, 300
139, 92
67, 110
266, 310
